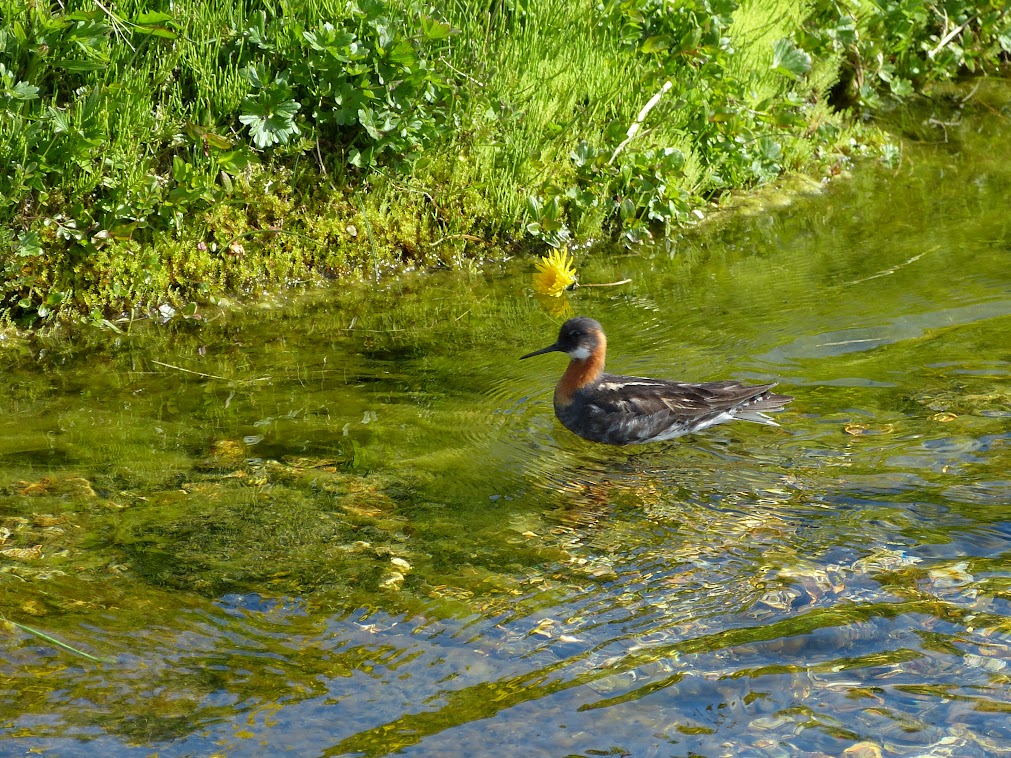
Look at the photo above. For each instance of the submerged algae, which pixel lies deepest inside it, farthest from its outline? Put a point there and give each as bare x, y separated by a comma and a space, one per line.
352, 524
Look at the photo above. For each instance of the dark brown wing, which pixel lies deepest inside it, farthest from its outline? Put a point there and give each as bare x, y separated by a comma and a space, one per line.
628, 409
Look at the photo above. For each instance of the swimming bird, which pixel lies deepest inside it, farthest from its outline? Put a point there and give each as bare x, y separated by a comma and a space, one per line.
624, 410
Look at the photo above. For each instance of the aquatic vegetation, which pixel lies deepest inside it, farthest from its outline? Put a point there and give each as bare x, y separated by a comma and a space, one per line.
345, 520
556, 273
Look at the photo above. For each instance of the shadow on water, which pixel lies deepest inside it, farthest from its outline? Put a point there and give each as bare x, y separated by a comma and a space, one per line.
348, 523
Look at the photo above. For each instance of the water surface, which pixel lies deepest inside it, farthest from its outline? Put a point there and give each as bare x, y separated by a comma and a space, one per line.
346, 523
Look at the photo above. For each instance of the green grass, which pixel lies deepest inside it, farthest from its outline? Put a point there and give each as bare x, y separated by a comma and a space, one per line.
167, 153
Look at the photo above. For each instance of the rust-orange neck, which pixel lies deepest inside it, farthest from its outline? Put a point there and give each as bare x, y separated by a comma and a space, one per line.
581, 372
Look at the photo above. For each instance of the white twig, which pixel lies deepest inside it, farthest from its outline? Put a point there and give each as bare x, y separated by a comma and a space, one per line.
457, 71
634, 128
893, 269
117, 25
188, 371
971, 94
604, 284
950, 36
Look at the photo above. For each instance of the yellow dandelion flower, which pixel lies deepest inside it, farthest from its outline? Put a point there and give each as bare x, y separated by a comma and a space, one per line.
555, 272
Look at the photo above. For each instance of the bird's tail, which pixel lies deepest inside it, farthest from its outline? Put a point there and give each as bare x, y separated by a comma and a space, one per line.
767, 402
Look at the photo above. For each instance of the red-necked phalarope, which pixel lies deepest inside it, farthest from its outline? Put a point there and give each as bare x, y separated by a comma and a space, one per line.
624, 410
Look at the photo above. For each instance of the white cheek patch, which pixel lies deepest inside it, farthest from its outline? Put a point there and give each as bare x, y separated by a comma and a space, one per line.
580, 353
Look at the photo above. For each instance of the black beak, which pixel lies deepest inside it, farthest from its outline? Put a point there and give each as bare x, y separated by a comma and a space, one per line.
549, 349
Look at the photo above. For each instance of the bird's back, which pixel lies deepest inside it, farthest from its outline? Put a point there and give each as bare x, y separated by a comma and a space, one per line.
623, 410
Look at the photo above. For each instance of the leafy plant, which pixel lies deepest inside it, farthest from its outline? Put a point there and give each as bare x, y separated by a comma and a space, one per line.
547, 220
269, 111
894, 48
137, 141
790, 60
643, 189
689, 32
368, 76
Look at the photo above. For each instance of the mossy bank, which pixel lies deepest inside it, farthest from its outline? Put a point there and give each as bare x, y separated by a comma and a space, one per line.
163, 154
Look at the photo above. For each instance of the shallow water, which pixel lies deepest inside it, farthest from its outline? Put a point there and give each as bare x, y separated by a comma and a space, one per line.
347, 523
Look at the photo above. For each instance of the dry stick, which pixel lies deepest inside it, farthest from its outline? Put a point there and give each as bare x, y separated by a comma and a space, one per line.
605, 284
944, 126
971, 94
943, 15
272, 230
372, 243
634, 128
56, 642
188, 371
371, 331
848, 342
211, 376
116, 23
893, 269
425, 193
470, 237
950, 36
460, 73
319, 157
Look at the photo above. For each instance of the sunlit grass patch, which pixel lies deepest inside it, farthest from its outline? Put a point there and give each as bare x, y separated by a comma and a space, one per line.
137, 146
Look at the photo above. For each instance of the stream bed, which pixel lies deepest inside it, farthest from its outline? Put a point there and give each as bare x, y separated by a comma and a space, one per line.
347, 523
